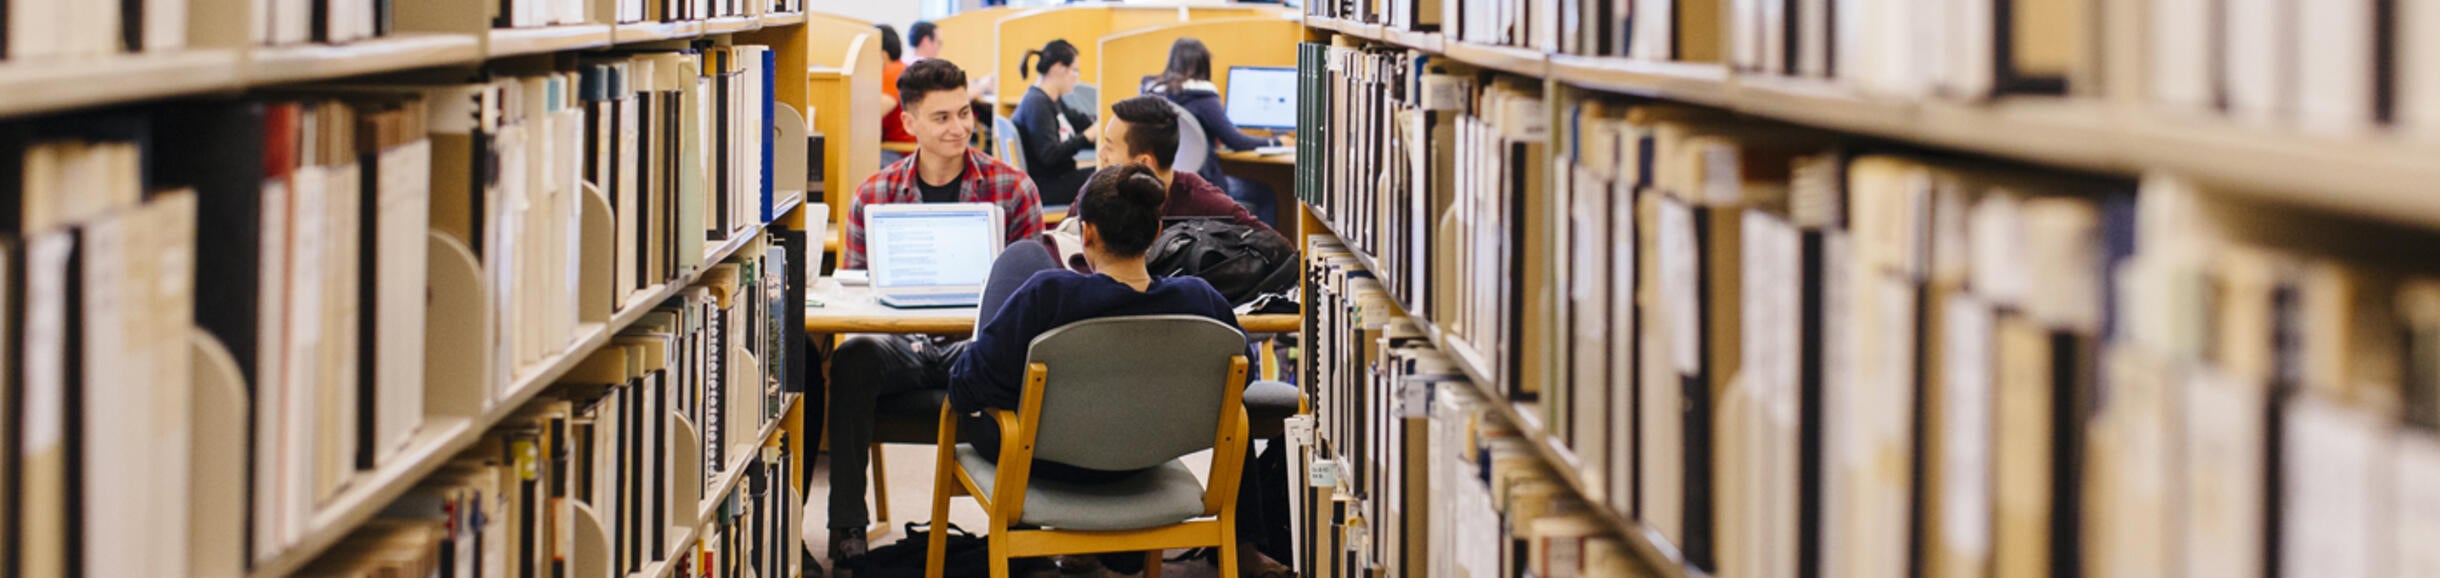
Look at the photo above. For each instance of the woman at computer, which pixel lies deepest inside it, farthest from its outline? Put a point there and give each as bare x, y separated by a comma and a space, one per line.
1188, 82
1051, 132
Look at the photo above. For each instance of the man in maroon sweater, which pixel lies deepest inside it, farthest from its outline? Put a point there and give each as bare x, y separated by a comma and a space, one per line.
1144, 130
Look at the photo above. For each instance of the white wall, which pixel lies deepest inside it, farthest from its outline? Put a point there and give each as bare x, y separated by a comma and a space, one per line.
898, 14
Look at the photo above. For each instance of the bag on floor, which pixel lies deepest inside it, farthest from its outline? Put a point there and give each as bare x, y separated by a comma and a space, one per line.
968, 555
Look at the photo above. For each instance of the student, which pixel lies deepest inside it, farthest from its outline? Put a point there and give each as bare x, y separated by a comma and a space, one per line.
944, 169
1123, 208
1051, 132
924, 37
893, 129
1188, 82
1144, 131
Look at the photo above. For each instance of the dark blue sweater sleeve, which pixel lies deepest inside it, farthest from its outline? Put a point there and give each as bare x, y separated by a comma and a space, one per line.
991, 372
1215, 121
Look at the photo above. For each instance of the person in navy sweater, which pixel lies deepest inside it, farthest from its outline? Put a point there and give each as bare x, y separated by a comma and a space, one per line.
1188, 82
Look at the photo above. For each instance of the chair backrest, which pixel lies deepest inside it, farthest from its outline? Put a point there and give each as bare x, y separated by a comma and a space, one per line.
1004, 137
1085, 98
1194, 146
1127, 393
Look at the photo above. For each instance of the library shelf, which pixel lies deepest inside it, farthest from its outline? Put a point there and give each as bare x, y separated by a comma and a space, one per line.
2371, 173
53, 84
716, 493
1505, 58
680, 544
438, 441
634, 32
1663, 557
396, 52
731, 24
778, 19
506, 42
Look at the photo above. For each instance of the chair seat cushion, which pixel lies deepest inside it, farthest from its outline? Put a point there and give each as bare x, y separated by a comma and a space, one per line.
1164, 495
1270, 401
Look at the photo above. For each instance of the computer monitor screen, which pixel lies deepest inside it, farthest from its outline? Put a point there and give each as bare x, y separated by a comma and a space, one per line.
936, 248
1262, 97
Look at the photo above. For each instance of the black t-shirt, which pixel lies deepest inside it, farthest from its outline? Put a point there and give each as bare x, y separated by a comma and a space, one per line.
948, 193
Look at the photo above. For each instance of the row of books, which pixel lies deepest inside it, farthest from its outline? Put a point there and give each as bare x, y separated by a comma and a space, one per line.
51, 29
2332, 67
742, 350
585, 484
1786, 354
98, 274
1410, 472
374, 259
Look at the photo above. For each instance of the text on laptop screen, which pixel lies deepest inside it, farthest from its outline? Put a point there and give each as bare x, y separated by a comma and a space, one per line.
931, 249
1262, 97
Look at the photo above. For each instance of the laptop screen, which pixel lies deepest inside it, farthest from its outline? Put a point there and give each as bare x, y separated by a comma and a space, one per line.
1262, 97
948, 246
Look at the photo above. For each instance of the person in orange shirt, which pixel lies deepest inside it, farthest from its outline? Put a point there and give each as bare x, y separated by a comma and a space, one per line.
892, 128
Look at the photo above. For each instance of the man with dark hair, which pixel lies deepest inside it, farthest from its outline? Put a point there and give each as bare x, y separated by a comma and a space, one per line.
944, 169
940, 114
1144, 130
924, 37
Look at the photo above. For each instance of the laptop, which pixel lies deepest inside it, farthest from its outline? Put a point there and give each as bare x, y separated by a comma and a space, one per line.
1262, 97
931, 254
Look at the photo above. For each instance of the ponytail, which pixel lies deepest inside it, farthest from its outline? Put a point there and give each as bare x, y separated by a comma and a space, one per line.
1057, 52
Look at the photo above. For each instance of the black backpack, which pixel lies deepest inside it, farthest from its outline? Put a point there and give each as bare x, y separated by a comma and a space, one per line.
1242, 262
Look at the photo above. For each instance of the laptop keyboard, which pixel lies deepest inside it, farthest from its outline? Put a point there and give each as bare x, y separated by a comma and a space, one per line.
934, 300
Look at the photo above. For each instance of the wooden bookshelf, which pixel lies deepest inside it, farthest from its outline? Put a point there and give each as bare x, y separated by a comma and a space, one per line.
2375, 174
441, 440
42, 86
505, 42
776, 19
1663, 557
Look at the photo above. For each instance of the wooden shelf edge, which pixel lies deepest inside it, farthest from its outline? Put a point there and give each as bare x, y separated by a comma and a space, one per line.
731, 24
397, 52
37, 87
366, 496
635, 32
777, 19
505, 42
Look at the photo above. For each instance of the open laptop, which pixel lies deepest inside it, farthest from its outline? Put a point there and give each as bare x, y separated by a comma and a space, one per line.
931, 254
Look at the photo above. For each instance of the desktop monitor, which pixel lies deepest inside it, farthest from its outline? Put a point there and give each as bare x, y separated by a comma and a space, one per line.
1262, 97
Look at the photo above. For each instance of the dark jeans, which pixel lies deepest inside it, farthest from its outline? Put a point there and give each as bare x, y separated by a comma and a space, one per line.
1257, 198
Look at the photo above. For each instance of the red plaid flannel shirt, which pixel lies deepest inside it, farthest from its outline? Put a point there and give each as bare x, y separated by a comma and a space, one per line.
987, 181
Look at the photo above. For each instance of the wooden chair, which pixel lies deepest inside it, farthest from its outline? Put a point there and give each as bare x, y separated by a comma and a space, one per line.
1133, 393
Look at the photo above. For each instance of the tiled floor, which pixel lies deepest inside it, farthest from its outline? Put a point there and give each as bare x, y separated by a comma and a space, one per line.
910, 491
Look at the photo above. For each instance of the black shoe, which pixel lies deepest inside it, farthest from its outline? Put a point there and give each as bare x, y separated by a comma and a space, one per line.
845, 544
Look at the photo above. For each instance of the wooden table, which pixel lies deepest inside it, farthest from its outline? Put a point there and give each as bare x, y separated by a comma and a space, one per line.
837, 309
1278, 171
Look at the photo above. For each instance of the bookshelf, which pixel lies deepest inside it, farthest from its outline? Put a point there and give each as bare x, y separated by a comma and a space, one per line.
436, 443
219, 81
1935, 311
28, 89
2371, 175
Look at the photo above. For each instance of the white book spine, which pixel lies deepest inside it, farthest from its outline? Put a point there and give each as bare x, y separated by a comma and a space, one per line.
2335, 70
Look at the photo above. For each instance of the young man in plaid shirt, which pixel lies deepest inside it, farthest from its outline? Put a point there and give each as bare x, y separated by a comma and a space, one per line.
943, 169
866, 368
